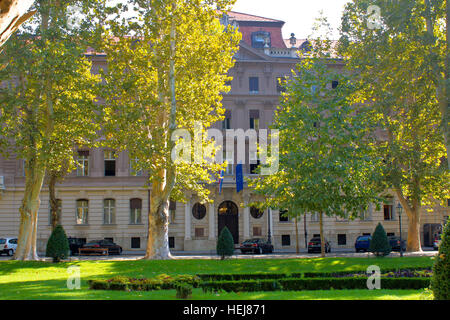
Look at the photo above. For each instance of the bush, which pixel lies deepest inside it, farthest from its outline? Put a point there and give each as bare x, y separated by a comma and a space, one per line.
225, 243
184, 290
440, 283
58, 245
379, 245
293, 284
241, 276
161, 282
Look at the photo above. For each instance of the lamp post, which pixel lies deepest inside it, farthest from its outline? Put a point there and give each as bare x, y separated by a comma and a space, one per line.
400, 209
269, 235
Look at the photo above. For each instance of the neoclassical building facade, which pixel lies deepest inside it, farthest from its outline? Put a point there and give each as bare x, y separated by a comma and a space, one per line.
106, 198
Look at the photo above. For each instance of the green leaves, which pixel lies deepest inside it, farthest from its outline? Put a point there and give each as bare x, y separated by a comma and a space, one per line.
327, 159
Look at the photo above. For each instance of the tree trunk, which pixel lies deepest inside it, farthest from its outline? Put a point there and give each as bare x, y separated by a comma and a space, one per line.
322, 240
12, 14
158, 225
26, 245
53, 202
297, 246
413, 243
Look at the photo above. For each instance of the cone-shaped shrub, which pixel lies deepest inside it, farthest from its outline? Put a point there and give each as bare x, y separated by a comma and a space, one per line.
379, 245
225, 243
58, 245
440, 283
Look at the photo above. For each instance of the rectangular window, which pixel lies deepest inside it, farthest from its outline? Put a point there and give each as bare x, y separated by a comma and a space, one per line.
254, 85
254, 119
316, 235
281, 84
366, 234
135, 243
58, 211
110, 163
109, 211
387, 210
390, 234
314, 217
83, 163
199, 232
226, 123
257, 231
172, 210
171, 242
283, 216
134, 168
254, 167
228, 156
285, 240
342, 239
334, 84
82, 211
135, 211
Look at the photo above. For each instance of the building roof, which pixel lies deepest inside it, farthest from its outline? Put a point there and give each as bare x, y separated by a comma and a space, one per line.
238, 16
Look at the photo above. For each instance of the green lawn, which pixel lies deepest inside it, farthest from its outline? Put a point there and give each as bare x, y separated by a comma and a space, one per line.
44, 280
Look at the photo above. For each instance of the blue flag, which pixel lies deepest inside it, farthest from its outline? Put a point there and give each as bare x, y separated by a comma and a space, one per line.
220, 181
239, 178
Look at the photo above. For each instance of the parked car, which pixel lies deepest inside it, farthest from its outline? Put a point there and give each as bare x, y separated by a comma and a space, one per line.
395, 243
8, 246
437, 242
314, 245
362, 243
103, 244
75, 244
257, 246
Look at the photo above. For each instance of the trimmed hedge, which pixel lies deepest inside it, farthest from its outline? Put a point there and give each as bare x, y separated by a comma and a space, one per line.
243, 276
416, 272
162, 282
292, 284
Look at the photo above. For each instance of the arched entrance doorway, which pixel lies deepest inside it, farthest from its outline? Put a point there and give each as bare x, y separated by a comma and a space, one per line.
229, 217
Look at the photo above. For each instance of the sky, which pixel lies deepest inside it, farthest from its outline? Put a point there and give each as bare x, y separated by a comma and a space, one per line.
299, 15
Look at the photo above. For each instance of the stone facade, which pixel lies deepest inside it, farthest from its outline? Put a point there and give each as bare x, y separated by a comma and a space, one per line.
248, 100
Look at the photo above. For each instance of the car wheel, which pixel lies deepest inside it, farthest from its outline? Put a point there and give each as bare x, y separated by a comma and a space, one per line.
258, 251
10, 252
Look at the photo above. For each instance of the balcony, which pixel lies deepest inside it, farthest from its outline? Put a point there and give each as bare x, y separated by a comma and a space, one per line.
282, 52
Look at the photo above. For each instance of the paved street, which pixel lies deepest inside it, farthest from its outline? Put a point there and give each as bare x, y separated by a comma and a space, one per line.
276, 255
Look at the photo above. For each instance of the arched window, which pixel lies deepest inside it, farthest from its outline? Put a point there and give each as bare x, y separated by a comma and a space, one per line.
135, 211
199, 211
82, 211
109, 211
228, 208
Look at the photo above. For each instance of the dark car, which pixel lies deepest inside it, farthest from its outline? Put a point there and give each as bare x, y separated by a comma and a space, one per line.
256, 246
362, 243
103, 244
75, 244
394, 242
314, 245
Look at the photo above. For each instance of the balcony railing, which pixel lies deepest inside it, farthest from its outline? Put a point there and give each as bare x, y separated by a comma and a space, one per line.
282, 52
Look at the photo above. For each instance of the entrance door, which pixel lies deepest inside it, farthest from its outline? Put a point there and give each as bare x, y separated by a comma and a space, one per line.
430, 231
229, 217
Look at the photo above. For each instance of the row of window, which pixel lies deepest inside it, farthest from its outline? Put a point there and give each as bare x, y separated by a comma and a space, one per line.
109, 211
253, 85
109, 164
254, 120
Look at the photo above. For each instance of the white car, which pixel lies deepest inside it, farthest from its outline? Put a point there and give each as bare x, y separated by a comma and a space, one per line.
8, 246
